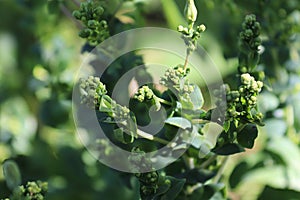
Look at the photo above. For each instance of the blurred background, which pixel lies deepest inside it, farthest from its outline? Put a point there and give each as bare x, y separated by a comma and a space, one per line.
40, 53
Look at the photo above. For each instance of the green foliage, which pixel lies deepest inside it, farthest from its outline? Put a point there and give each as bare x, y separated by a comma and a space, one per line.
241, 116
38, 59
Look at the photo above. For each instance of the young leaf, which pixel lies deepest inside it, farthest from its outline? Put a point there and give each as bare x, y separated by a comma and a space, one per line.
226, 126
105, 104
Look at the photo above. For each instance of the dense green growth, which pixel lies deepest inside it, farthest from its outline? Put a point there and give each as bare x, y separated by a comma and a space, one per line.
258, 108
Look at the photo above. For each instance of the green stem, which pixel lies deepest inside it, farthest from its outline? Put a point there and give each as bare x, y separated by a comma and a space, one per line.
188, 52
148, 136
240, 128
221, 170
208, 161
151, 137
164, 101
188, 161
199, 121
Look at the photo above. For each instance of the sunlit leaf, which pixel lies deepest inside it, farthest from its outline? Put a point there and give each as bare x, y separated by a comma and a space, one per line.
179, 122
197, 98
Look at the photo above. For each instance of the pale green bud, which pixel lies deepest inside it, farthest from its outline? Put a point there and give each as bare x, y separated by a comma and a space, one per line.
190, 11
253, 98
180, 28
201, 28
260, 84
246, 78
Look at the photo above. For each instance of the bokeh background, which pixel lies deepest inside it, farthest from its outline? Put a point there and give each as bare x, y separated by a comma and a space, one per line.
40, 53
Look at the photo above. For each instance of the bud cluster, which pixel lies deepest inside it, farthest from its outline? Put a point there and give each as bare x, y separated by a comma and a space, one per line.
190, 35
174, 78
144, 93
91, 90
249, 42
148, 182
250, 33
240, 103
249, 90
32, 190
96, 30
120, 113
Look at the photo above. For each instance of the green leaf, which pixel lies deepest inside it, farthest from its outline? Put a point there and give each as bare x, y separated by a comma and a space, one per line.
12, 174
279, 194
237, 174
288, 151
118, 133
123, 137
267, 101
200, 142
186, 103
195, 176
175, 188
197, 139
247, 136
197, 98
163, 187
209, 192
226, 126
179, 122
228, 149
275, 127
105, 104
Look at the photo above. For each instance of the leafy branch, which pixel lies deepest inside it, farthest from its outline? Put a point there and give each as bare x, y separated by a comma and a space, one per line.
236, 110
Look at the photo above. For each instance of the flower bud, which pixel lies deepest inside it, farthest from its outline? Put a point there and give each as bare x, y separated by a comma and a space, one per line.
180, 28
246, 78
253, 98
201, 28
76, 14
190, 11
